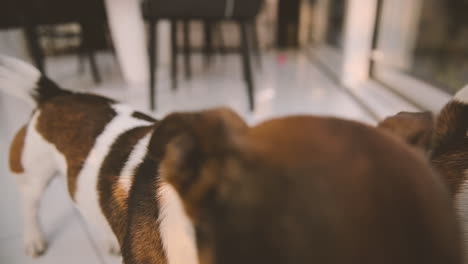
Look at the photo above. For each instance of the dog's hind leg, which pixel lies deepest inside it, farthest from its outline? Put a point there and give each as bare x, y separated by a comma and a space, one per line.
32, 187
34, 165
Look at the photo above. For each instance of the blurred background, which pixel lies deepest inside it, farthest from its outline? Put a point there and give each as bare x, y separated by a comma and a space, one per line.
356, 59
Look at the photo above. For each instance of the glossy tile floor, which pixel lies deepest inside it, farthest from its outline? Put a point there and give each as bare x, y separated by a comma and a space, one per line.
286, 84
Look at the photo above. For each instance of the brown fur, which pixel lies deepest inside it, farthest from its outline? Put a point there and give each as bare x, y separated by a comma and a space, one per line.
142, 242
112, 199
180, 134
352, 173
414, 128
72, 123
452, 124
16, 151
305, 190
147, 247
444, 139
450, 145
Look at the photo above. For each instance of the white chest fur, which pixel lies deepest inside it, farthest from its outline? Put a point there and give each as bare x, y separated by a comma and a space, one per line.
176, 228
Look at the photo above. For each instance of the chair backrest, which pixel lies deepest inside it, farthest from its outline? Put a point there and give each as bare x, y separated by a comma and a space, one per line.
64, 11
247, 8
184, 8
11, 14
201, 9
17, 13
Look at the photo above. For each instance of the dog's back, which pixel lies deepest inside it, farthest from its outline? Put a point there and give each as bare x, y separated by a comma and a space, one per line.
312, 190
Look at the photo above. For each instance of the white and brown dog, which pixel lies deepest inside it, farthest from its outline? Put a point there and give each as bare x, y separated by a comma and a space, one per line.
100, 145
206, 188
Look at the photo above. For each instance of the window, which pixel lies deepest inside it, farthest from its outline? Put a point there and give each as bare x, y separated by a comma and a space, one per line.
422, 49
440, 55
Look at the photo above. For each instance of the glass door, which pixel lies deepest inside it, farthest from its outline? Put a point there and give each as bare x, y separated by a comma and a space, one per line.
422, 49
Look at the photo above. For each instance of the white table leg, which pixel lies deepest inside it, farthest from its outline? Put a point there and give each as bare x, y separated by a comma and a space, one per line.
13, 43
128, 34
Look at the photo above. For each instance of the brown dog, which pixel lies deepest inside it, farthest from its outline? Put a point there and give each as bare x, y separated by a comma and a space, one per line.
206, 188
309, 190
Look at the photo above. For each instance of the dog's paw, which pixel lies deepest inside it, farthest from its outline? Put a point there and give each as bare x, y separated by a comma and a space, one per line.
35, 247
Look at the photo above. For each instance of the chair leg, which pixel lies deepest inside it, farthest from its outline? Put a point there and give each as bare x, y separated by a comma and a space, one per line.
89, 50
174, 54
152, 61
208, 30
35, 47
256, 44
94, 67
221, 43
247, 67
81, 62
187, 46
81, 55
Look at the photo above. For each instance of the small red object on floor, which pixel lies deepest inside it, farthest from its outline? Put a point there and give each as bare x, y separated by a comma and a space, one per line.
282, 58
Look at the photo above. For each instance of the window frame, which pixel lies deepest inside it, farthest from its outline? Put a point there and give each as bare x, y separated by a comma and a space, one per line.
389, 66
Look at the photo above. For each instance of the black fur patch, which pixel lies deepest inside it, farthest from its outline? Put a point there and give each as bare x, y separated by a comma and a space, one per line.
47, 89
140, 115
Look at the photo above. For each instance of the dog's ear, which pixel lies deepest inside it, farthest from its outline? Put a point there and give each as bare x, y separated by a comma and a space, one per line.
191, 147
414, 128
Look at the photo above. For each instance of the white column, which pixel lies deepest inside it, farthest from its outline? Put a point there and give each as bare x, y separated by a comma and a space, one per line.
358, 34
128, 34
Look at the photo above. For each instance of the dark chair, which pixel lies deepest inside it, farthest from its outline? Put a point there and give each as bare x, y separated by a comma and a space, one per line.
15, 14
30, 14
10, 15
243, 12
89, 14
211, 30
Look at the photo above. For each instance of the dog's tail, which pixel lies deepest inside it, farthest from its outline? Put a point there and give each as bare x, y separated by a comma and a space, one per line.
452, 122
22, 80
